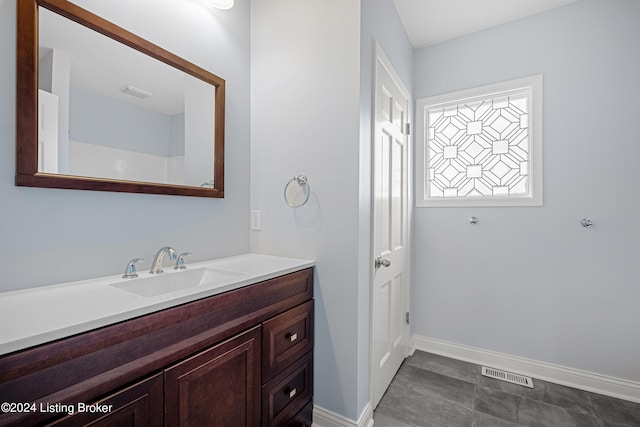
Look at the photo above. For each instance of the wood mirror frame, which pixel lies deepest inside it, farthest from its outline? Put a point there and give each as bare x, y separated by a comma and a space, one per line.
27, 104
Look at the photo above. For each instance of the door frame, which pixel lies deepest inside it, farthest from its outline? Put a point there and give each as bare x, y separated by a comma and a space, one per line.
380, 57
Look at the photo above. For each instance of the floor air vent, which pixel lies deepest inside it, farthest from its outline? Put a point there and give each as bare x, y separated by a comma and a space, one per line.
507, 376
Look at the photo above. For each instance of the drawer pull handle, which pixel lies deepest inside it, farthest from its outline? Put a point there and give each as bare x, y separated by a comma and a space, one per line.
292, 337
291, 392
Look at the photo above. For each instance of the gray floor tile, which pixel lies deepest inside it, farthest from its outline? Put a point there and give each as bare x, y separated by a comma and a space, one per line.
530, 413
416, 409
444, 365
484, 420
560, 417
435, 391
538, 414
615, 424
433, 384
381, 420
497, 403
615, 412
401, 403
567, 398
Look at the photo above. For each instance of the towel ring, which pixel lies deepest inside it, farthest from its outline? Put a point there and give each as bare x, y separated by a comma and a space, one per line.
297, 191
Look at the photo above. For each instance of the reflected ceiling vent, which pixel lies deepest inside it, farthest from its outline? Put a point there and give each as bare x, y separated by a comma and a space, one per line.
134, 91
507, 376
222, 4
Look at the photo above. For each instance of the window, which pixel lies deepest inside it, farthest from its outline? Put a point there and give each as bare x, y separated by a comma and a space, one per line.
482, 146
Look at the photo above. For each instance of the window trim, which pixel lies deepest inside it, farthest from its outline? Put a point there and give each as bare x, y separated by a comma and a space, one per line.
531, 84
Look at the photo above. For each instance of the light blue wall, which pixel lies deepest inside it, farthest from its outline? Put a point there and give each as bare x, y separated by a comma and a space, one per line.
311, 105
50, 236
305, 119
109, 122
532, 282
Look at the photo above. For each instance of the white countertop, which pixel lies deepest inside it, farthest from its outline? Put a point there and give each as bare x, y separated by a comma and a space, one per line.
35, 316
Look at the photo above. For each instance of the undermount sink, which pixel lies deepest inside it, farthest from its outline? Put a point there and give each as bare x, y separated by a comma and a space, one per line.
176, 281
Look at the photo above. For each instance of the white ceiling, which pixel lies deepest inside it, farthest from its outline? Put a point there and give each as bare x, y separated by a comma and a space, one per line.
427, 22
433, 21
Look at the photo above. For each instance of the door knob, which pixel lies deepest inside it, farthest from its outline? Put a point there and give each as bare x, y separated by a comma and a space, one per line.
382, 262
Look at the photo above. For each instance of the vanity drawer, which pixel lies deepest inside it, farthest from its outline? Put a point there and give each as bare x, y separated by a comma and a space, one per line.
285, 338
288, 393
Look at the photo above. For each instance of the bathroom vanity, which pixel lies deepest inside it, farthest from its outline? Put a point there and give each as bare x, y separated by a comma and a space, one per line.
237, 357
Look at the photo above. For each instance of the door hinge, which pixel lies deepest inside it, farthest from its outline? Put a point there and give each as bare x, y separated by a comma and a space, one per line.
406, 318
407, 128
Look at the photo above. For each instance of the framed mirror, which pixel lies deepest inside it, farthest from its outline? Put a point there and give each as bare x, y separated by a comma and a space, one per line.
99, 108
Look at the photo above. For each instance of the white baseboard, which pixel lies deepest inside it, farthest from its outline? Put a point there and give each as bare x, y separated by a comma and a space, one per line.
325, 418
583, 380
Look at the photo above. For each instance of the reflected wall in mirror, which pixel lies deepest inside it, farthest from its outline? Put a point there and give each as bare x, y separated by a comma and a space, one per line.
99, 108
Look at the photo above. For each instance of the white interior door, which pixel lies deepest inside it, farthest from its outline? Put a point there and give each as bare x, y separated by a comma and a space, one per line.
390, 234
47, 132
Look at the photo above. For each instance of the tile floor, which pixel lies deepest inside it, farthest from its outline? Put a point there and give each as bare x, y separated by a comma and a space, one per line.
436, 391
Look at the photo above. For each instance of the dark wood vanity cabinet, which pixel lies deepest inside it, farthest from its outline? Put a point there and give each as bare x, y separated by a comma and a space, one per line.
138, 405
241, 358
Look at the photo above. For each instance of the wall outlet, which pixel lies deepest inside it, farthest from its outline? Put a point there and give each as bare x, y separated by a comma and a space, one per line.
256, 221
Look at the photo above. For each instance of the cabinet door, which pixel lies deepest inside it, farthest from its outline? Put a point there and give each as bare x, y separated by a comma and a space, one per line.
218, 387
136, 406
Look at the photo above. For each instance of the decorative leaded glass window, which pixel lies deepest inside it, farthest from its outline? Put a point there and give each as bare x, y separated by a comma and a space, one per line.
481, 147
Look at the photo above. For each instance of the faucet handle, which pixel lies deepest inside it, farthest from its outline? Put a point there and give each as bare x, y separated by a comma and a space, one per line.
130, 271
180, 261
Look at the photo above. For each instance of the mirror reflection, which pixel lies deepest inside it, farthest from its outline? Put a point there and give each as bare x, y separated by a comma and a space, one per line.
109, 111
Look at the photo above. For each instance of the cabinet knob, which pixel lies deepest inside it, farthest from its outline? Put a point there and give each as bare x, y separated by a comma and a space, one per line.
292, 337
291, 392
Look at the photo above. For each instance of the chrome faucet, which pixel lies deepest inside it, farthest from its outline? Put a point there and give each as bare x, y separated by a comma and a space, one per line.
180, 262
130, 271
156, 266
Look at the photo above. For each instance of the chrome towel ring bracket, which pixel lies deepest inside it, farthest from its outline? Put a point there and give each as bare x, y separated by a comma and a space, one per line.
297, 191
